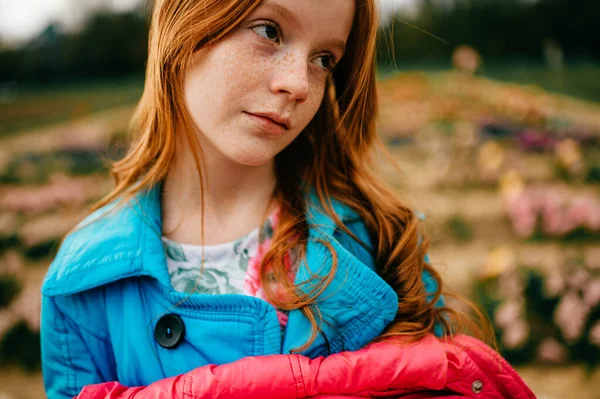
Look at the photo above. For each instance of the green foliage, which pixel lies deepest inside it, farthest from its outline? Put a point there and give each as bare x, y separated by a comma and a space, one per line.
21, 346
36, 168
110, 45
8, 241
9, 288
459, 229
579, 235
592, 164
499, 29
42, 250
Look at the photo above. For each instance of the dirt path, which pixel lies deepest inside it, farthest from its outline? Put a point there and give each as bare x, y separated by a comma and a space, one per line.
95, 129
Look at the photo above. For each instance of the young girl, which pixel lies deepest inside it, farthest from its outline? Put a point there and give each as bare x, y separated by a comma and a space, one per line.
246, 220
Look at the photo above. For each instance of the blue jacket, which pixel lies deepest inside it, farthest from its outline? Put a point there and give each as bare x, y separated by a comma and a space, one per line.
108, 287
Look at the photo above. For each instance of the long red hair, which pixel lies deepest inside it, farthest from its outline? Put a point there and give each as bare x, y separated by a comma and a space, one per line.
332, 157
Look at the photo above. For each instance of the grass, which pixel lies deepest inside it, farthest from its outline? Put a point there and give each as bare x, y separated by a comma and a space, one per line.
580, 80
30, 108
576, 80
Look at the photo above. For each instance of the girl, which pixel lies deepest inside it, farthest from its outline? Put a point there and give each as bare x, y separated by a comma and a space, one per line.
245, 220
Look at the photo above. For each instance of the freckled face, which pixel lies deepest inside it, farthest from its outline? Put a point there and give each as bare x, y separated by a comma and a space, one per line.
253, 93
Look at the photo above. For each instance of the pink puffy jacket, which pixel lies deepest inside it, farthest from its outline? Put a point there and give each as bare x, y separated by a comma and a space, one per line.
430, 368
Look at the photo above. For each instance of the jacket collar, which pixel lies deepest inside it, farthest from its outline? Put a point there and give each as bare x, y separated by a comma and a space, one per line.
117, 241
125, 240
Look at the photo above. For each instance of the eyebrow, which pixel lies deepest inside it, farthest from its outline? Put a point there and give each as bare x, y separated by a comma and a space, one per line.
339, 44
285, 13
292, 20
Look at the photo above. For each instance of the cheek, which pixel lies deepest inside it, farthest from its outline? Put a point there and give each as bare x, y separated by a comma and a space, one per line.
237, 69
315, 98
220, 75
196, 87
193, 96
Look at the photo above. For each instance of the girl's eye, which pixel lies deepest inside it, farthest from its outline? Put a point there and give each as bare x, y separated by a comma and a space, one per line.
268, 30
271, 32
327, 62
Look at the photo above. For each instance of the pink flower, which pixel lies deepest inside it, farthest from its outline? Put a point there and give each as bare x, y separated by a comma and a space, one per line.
551, 351
554, 285
578, 278
507, 313
515, 334
59, 192
522, 214
510, 284
570, 316
27, 306
594, 334
553, 219
591, 293
579, 212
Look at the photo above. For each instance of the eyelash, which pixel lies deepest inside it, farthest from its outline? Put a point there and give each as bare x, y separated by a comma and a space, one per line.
278, 38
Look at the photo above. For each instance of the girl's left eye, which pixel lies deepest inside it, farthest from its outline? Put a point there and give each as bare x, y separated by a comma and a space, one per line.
327, 61
269, 31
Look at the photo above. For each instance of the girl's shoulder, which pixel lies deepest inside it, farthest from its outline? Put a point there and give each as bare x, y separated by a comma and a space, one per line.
117, 240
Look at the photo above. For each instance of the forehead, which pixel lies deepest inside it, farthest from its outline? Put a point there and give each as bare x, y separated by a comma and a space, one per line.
329, 18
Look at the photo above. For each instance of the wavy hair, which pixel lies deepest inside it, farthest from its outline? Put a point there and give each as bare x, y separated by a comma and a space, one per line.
332, 158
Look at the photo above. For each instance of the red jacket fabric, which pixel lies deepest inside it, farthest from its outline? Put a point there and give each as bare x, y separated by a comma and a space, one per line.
430, 368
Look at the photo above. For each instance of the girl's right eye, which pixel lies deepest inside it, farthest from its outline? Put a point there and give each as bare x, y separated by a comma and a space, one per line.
269, 31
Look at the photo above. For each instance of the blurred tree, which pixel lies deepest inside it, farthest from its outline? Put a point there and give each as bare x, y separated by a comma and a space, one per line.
111, 45
499, 29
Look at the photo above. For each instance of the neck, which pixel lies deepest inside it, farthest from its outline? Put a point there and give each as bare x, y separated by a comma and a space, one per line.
236, 198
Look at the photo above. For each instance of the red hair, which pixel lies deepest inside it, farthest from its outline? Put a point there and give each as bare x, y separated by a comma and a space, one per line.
332, 157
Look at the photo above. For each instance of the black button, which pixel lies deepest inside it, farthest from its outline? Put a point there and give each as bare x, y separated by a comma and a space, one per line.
169, 331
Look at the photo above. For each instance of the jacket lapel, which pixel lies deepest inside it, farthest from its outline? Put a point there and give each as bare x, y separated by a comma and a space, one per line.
356, 305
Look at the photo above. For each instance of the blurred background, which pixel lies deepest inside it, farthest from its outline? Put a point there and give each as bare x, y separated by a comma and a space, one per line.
491, 108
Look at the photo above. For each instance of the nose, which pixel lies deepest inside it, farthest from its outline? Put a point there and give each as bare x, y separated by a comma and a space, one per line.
291, 78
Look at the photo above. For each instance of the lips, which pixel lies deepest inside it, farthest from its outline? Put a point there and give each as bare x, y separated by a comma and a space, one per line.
270, 123
277, 118
272, 120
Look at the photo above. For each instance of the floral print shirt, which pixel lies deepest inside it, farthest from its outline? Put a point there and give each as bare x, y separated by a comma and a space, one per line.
229, 268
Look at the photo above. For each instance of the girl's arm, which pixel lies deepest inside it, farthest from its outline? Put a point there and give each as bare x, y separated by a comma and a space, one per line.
374, 369
252, 377
427, 368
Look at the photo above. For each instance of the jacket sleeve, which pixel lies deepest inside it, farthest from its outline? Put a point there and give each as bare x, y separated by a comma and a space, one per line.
74, 352
427, 368
295, 376
252, 377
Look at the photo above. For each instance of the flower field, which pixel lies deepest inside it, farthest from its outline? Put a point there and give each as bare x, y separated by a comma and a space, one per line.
508, 177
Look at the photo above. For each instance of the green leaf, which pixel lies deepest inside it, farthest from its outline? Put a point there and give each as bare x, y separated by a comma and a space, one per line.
175, 251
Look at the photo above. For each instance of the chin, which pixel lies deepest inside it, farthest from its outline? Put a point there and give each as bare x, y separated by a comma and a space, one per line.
253, 158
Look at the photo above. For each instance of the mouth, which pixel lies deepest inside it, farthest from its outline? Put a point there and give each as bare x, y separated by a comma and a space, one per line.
270, 123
